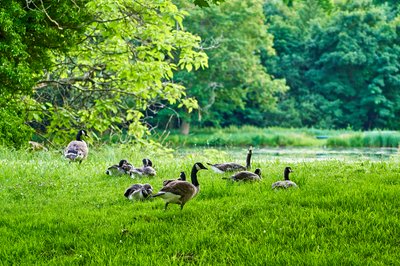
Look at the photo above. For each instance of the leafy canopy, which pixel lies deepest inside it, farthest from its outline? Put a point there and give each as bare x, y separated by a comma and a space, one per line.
233, 34
124, 64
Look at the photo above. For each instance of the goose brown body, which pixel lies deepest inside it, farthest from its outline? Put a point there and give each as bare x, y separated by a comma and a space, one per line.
232, 167
247, 175
77, 150
180, 192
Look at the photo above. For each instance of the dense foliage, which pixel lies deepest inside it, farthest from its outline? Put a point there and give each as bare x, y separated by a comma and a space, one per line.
343, 69
30, 31
129, 66
124, 65
235, 87
340, 61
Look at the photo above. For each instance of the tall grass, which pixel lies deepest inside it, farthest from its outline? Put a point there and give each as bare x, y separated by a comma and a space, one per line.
247, 135
366, 139
57, 213
279, 137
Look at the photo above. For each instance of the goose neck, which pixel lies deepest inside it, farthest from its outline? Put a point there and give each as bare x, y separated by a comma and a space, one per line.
248, 159
79, 136
193, 176
286, 175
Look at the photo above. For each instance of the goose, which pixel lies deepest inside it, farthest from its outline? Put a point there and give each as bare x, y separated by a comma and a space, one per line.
247, 175
119, 169
77, 150
147, 169
231, 167
182, 177
138, 191
285, 183
180, 192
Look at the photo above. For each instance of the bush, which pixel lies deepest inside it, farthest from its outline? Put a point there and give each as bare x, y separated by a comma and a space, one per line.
13, 130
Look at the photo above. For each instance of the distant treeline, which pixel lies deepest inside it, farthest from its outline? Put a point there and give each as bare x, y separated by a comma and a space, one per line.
279, 137
340, 63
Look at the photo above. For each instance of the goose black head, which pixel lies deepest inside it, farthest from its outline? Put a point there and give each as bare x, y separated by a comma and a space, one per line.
147, 162
80, 134
258, 172
182, 176
122, 162
287, 171
200, 166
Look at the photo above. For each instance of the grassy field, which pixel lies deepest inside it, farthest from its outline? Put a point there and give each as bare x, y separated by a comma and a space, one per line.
278, 137
57, 213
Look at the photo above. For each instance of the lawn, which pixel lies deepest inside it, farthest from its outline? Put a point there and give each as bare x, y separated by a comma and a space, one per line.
57, 213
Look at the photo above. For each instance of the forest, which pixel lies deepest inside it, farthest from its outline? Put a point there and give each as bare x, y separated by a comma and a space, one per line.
133, 67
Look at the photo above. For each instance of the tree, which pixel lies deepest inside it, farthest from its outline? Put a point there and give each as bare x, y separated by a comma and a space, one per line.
29, 31
233, 34
124, 64
356, 67
342, 67
290, 27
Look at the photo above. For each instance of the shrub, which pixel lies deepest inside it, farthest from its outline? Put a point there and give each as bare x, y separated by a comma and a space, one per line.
13, 130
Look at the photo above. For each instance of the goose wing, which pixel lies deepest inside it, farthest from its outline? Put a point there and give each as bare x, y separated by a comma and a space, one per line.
76, 149
245, 175
226, 167
114, 170
179, 187
284, 184
135, 187
148, 170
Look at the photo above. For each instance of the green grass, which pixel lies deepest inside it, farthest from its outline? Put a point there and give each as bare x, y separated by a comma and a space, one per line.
279, 137
57, 213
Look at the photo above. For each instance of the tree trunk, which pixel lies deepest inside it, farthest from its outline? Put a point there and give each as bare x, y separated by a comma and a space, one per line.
185, 127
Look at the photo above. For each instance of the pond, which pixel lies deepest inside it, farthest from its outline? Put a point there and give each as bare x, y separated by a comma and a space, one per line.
294, 154
312, 154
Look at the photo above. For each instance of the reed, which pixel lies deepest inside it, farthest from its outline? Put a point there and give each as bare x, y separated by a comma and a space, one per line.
281, 137
365, 139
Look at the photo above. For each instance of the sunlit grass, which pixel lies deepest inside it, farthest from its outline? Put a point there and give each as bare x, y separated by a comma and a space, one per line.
53, 212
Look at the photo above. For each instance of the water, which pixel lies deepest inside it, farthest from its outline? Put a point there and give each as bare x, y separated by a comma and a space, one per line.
305, 153
313, 154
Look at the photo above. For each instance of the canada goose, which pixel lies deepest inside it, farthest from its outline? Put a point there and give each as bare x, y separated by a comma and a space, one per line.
231, 167
138, 191
147, 169
182, 177
285, 183
180, 192
247, 176
119, 169
77, 150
